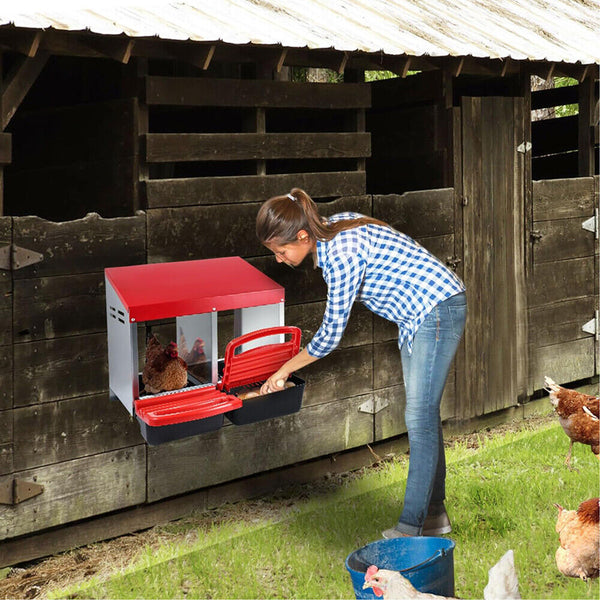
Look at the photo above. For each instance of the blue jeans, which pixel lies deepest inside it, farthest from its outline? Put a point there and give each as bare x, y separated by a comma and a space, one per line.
425, 372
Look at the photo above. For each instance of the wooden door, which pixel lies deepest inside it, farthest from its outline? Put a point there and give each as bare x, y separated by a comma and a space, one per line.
493, 199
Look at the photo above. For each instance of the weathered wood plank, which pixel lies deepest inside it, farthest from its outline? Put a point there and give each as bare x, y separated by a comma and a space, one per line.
308, 317
61, 368
5, 148
563, 198
188, 91
174, 147
69, 429
564, 363
6, 377
562, 280
6, 302
83, 246
561, 239
234, 452
52, 307
343, 373
250, 188
189, 233
77, 489
419, 214
6, 442
561, 321
554, 97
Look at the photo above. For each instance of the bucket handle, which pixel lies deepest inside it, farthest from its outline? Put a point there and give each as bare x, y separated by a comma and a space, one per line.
440, 553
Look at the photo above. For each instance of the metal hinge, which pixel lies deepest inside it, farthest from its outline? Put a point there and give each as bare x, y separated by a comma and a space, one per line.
592, 327
591, 224
372, 407
14, 257
536, 235
524, 147
16, 491
453, 262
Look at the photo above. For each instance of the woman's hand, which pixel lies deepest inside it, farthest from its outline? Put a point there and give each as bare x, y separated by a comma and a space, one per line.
275, 383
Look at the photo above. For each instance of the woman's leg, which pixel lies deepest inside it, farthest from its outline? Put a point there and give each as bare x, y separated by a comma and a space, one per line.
425, 372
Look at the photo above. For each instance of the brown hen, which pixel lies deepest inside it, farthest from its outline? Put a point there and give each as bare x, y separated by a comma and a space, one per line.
164, 370
578, 414
579, 535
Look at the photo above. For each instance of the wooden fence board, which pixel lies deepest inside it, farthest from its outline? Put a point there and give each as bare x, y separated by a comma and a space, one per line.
554, 97
64, 305
181, 147
6, 377
83, 246
6, 445
419, 214
191, 91
564, 363
563, 198
343, 373
5, 286
561, 321
69, 429
561, 239
68, 367
250, 188
77, 489
562, 280
234, 452
197, 232
359, 330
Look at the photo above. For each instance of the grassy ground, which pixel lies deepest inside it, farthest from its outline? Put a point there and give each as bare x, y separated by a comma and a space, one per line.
500, 496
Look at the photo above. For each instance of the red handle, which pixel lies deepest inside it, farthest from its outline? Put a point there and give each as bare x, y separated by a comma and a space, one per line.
257, 364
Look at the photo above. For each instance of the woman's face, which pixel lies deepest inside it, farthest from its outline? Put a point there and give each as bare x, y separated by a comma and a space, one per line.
293, 253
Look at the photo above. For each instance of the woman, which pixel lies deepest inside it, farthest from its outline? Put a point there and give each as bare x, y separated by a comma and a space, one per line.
367, 260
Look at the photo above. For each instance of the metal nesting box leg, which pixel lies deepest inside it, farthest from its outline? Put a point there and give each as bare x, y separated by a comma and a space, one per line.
122, 350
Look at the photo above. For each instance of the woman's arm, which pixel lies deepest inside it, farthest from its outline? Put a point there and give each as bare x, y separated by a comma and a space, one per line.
301, 359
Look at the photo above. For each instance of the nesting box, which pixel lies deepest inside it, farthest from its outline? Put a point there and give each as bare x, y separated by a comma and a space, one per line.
186, 298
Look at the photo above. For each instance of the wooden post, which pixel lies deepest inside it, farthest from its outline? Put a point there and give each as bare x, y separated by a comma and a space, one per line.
586, 128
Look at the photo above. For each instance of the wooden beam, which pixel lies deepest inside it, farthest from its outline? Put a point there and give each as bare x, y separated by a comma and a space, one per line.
457, 66
343, 63
117, 48
18, 83
281, 61
24, 42
505, 66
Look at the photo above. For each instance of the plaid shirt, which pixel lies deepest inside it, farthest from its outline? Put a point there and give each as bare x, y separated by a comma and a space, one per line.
388, 272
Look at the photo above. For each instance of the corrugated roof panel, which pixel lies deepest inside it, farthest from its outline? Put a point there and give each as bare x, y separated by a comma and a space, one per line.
552, 30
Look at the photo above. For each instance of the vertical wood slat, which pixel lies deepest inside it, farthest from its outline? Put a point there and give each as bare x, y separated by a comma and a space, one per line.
495, 341
585, 137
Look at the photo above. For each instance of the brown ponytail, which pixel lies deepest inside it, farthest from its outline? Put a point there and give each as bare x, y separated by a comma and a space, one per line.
282, 217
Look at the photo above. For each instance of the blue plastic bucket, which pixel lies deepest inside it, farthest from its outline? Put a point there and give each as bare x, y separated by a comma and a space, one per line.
427, 562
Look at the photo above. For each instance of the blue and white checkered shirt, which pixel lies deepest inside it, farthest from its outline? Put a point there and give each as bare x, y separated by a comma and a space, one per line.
388, 272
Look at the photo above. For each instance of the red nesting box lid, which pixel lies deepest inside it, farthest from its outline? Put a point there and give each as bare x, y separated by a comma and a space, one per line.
164, 290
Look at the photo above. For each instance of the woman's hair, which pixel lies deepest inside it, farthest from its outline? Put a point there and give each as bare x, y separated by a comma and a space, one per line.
282, 217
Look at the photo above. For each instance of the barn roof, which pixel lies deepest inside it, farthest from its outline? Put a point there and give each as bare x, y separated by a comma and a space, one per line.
538, 30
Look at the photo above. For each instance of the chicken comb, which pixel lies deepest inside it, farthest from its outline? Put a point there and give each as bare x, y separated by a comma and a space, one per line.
370, 572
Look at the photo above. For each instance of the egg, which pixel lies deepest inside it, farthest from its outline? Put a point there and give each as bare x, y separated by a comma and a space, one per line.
246, 395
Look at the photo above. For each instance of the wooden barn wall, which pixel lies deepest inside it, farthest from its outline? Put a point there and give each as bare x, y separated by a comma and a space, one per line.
210, 152
563, 282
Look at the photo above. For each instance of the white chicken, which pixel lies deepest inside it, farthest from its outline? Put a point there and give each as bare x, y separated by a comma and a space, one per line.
502, 583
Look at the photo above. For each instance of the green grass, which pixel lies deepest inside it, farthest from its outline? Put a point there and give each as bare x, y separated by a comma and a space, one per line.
500, 496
